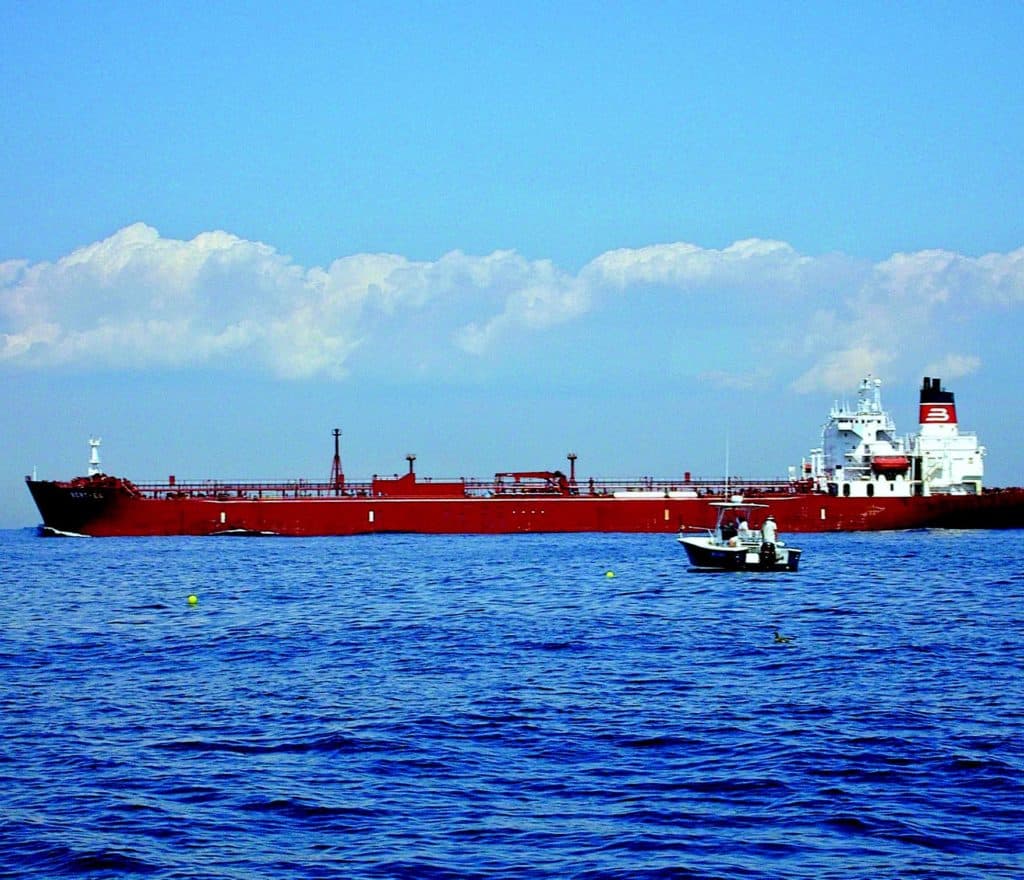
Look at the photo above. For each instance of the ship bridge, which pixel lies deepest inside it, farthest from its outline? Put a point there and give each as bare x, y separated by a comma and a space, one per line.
860, 443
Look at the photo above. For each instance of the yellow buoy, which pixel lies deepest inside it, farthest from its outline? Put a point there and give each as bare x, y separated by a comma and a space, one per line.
193, 599
609, 574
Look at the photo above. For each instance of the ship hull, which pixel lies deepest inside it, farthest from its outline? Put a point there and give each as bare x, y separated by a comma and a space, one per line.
115, 510
854, 482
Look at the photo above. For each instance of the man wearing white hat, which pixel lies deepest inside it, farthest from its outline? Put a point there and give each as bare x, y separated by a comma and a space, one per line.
768, 530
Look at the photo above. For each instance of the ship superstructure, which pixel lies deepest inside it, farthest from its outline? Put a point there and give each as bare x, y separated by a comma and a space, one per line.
861, 456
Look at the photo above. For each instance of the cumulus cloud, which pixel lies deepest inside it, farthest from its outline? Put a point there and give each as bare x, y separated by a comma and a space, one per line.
139, 300
936, 276
536, 297
839, 369
911, 309
774, 264
953, 366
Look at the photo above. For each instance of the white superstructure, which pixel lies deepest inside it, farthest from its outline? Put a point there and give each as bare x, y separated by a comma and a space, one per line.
860, 455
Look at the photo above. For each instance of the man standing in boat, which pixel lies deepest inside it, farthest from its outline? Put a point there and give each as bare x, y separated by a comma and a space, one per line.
769, 554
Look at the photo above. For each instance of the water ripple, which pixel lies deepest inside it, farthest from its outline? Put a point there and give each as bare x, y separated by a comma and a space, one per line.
471, 707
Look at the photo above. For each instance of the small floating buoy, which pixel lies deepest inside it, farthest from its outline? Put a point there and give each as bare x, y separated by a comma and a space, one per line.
193, 599
609, 573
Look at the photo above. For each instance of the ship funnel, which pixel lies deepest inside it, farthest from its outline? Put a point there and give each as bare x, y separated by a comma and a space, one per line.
938, 407
949, 462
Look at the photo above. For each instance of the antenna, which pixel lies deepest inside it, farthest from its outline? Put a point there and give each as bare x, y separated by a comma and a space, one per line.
94, 457
727, 466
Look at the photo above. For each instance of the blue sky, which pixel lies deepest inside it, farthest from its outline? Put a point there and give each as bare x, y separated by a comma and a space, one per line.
493, 233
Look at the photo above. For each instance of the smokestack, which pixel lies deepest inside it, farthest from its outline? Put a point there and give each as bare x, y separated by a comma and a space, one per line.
938, 407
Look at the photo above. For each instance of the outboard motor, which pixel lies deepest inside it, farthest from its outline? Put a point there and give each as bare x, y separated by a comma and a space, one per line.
767, 555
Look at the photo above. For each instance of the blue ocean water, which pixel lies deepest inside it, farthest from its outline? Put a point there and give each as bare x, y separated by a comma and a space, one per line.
500, 707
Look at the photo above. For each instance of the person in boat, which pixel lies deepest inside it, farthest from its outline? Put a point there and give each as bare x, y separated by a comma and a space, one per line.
768, 531
742, 528
729, 529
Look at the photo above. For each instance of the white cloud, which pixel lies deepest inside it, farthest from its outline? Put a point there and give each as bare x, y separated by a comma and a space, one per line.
771, 263
914, 308
756, 378
935, 276
843, 368
541, 298
138, 300
953, 366
1004, 277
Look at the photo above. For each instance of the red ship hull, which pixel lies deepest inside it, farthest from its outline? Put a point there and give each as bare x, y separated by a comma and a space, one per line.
862, 479
108, 506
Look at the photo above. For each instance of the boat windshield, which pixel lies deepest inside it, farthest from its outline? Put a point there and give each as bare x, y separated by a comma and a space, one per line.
734, 521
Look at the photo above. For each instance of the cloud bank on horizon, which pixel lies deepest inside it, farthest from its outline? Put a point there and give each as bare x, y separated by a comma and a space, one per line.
137, 300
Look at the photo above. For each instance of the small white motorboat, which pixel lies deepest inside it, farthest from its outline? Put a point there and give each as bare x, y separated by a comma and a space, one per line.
733, 544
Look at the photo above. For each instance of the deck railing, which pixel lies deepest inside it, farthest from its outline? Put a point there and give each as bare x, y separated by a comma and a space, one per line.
474, 488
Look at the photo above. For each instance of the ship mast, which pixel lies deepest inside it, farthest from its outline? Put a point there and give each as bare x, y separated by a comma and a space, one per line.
94, 457
337, 475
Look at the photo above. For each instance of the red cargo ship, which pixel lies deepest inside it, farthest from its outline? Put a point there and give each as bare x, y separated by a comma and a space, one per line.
863, 477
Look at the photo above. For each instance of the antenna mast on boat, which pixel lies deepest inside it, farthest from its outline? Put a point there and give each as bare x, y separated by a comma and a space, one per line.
337, 475
727, 466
